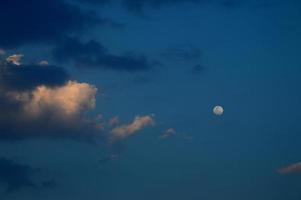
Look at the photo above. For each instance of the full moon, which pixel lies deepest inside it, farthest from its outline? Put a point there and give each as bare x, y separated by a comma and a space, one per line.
218, 110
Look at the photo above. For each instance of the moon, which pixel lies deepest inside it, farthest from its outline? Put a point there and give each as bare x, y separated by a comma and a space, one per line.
218, 110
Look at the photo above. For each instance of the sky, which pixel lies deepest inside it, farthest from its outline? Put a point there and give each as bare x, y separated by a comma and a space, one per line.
114, 99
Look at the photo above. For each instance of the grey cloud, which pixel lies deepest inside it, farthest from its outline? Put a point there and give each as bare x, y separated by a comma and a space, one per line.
93, 55
15, 176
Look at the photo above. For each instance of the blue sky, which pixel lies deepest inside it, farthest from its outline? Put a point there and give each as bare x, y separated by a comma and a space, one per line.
122, 109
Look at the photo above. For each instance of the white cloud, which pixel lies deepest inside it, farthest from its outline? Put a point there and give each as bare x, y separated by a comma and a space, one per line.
15, 59
69, 100
127, 130
44, 62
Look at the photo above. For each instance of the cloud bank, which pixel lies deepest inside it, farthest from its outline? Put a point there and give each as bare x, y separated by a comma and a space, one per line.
42, 101
35, 21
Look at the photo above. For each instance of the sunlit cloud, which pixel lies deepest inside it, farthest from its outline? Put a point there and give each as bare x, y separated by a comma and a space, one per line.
114, 121
68, 100
127, 130
15, 59
44, 62
42, 101
293, 168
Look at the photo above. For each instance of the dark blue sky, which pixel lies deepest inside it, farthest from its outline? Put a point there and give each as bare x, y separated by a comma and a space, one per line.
121, 106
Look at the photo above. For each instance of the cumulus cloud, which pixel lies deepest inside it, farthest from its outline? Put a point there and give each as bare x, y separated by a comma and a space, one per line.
127, 130
293, 168
15, 59
68, 100
41, 101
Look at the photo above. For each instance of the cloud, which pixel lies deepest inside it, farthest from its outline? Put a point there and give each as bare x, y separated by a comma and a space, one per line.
33, 21
2, 52
92, 54
114, 121
15, 59
67, 100
127, 130
138, 6
27, 77
293, 168
16, 176
171, 132
168, 133
41, 101
43, 62
98, 2
49, 112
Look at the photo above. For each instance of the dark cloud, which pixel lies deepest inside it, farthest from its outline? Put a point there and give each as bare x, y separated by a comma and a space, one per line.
17, 123
197, 69
93, 54
41, 101
100, 2
16, 128
138, 6
16, 176
26, 77
41, 21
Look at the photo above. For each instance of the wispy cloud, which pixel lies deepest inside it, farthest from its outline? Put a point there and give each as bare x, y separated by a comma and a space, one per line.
127, 130
168, 133
114, 121
43, 62
293, 168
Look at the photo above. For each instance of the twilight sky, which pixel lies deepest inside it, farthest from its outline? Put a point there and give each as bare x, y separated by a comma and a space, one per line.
113, 99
